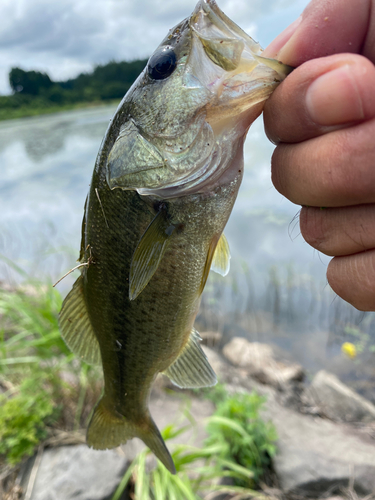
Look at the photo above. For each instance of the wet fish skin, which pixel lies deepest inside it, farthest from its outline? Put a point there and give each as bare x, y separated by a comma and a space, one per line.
164, 184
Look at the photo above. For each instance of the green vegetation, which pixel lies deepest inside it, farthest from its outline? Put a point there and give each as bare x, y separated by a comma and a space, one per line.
242, 435
35, 93
45, 388
34, 399
23, 418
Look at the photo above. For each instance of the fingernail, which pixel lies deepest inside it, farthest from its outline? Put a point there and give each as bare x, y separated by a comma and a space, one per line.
334, 98
276, 45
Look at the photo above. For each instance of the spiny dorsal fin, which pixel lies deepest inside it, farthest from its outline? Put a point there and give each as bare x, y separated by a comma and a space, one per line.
149, 253
192, 369
221, 260
75, 326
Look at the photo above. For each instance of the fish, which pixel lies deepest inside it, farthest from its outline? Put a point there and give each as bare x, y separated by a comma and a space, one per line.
164, 184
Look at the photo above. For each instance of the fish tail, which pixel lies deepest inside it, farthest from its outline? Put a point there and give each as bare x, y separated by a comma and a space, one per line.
150, 435
109, 430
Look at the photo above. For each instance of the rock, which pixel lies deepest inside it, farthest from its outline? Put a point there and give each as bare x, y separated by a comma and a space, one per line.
260, 362
316, 455
337, 401
79, 473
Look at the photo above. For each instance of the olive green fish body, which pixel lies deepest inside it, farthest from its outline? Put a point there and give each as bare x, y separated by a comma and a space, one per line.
142, 337
165, 181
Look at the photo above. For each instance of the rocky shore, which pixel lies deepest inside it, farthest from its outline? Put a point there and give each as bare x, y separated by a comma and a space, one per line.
326, 444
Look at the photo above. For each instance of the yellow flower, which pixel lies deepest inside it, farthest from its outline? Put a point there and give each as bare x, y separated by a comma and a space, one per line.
349, 349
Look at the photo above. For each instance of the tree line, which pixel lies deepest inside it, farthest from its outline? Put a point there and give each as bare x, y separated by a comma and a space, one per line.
105, 82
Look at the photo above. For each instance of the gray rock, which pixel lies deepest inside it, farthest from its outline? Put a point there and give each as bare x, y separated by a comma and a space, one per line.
317, 455
260, 362
337, 401
79, 473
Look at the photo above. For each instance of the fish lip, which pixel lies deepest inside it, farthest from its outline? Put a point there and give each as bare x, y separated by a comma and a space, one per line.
211, 6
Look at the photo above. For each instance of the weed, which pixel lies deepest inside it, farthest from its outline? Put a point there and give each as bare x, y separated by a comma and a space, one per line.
24, 417
244, 437
33, 363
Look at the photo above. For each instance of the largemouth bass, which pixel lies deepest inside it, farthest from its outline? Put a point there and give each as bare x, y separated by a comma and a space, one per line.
164, 184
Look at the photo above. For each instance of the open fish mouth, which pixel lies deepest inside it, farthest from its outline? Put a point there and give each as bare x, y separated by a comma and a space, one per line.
228, 61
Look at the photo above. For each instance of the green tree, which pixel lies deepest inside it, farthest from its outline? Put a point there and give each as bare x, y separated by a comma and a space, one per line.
29, 82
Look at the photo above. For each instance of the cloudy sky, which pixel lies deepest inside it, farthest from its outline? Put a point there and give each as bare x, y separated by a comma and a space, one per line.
66, 37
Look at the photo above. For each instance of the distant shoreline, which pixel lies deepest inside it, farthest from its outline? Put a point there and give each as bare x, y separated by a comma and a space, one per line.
29, 111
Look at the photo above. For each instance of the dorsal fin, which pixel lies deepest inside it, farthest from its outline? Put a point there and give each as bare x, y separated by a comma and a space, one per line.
75, 326
149, 253
221, 260
192, 369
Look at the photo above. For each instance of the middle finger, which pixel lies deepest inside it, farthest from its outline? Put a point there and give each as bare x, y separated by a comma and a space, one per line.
333, 170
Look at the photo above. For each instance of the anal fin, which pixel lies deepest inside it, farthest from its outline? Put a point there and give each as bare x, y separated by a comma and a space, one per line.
75, 326
192, 369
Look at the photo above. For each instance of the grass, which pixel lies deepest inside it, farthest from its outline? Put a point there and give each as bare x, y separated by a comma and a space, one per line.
28, 111
45, 386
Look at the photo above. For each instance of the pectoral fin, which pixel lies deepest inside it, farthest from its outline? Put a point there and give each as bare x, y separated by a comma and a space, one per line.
192, 369
217, 259
149, 253
75, 326
221, 260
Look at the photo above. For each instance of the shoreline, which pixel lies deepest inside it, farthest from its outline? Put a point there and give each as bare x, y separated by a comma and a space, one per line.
27, 112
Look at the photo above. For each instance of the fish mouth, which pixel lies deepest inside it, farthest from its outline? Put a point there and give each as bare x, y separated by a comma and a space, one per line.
229, 63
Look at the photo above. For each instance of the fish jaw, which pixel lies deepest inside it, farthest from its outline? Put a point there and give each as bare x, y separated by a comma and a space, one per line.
175, 129
233, 69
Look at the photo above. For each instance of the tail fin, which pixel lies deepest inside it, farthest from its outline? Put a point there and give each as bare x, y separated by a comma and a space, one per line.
152, 438
108, 430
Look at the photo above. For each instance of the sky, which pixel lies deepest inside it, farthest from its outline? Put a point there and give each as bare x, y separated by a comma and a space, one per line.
66, 37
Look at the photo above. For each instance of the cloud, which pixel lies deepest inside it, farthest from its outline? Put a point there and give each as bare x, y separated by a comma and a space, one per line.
70, 36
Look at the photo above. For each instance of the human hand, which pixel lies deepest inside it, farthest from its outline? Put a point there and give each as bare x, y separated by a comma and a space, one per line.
322, 119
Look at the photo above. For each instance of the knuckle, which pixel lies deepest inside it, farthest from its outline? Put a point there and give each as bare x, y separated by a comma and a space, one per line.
313, 228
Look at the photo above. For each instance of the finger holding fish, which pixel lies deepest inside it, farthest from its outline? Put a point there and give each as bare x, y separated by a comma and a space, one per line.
335, 231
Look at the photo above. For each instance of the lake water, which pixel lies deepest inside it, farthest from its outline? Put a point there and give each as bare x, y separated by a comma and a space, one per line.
276, 289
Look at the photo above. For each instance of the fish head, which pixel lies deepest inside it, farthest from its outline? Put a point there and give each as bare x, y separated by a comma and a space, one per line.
187, 114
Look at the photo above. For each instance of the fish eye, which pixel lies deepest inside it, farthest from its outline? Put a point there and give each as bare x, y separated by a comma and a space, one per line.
162, 63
